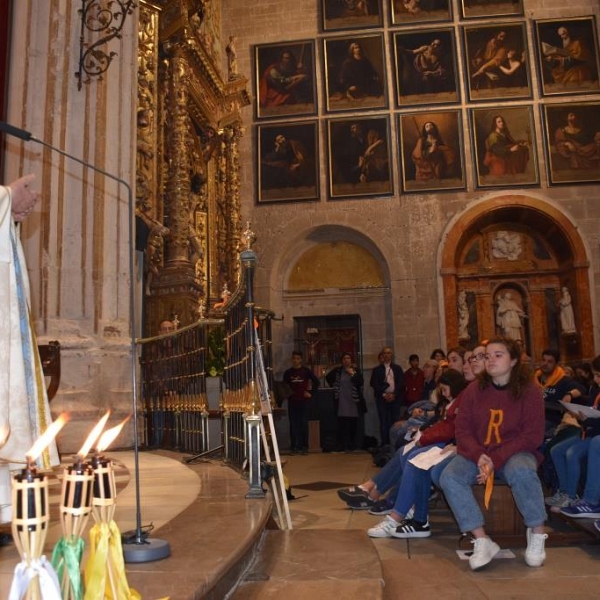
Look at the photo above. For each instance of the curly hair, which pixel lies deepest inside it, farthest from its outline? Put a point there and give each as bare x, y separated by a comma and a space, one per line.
520, 375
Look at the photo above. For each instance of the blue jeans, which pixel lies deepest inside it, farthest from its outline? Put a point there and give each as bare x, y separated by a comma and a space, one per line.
567, 457
519, 472
591, 493
415, 487
391, 473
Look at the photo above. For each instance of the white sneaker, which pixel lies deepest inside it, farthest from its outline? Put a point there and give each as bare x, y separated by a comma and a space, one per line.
484, 550
535, 554
384, 529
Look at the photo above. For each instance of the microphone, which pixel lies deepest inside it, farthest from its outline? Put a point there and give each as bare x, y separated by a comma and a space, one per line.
138, 549
15, 131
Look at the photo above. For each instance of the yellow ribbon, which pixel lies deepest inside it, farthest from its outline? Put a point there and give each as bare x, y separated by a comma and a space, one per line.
105, 568
489, 485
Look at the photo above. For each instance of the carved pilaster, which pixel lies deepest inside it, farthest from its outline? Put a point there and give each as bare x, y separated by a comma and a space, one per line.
177, 193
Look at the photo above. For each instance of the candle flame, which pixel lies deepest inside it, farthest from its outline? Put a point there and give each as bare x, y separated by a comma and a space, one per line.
93, 436
47, 437
110, 435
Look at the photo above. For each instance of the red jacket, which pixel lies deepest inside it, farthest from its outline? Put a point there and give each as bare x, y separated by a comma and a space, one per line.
443, 430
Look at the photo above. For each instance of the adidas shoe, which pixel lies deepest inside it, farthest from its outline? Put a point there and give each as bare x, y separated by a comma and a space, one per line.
409, 528
380, 508
353, 493
582, 509
384, 529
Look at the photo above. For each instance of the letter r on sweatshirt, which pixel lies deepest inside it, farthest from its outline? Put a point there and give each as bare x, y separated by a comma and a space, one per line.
493, 432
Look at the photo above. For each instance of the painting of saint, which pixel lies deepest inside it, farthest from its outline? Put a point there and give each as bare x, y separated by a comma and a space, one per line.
426, 67
407, 12
287, 157
431, 151
355, 73
284, 79
572, 133
504, 146
477, 9
497, 59
351, 14
359, 157
568, 56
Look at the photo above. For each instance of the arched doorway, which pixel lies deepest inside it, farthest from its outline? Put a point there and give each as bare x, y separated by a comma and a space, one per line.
511, 265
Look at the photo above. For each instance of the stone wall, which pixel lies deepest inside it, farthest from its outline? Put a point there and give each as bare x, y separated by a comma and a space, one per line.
77, 240
407, 229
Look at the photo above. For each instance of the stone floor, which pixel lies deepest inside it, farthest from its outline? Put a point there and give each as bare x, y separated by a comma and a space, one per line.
201, 511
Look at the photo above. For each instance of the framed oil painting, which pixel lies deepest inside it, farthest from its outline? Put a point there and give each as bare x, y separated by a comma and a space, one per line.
359, 157
285, 79
497, 61
483, 9
407, 12
504, 146
426, 71
355, 73
287, 156
567, 51
351, 14
431, 151
572, 142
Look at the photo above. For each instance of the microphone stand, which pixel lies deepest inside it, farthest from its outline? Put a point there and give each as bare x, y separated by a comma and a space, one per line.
136, 549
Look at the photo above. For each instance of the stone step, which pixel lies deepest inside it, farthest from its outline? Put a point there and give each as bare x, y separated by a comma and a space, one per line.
313, 563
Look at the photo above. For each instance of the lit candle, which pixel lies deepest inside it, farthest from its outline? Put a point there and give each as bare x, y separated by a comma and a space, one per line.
26, 501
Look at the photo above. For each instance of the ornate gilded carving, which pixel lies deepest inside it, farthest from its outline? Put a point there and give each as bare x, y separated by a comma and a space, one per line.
147, 172
194, 188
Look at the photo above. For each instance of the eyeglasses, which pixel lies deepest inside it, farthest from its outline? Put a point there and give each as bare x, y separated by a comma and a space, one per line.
476, 357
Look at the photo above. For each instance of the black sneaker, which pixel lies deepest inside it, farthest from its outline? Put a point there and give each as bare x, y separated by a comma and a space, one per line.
381, 507
352, 493
409, 528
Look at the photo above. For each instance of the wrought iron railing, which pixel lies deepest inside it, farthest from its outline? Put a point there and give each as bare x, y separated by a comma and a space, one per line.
173, 381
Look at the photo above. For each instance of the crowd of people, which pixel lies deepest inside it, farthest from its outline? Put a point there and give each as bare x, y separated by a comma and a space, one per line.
469, 417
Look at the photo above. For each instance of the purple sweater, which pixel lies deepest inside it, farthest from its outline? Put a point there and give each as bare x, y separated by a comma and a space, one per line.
492, 422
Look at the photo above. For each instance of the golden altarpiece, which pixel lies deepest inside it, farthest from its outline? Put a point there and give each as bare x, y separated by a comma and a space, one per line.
187, 172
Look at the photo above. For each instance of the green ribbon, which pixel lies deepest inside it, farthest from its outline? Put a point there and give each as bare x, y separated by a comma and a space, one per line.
67, 553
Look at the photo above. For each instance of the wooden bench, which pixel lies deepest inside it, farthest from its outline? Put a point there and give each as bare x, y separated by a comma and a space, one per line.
503, 521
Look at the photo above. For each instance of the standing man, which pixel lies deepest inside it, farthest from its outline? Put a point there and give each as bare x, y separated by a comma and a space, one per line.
24, 410
387, 381
303, 383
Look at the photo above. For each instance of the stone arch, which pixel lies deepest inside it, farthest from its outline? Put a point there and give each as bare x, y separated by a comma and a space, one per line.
325, 235
372, 303
566, 262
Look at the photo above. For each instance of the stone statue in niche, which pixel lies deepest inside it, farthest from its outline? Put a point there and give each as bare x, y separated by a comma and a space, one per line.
509, 317
463, 316
154, 250
567, 316
232, 62
507, 245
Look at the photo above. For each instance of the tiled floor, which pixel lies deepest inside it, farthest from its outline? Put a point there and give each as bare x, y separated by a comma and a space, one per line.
430, 568
202, 512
